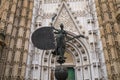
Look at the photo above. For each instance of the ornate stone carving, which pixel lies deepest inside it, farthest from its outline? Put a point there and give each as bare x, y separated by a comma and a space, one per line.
65, 17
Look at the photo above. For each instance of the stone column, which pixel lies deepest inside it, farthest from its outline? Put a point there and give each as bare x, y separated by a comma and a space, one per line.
106, 11
15, 20
3, 20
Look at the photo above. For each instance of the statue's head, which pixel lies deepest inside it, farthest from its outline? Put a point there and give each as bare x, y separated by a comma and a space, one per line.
61, 26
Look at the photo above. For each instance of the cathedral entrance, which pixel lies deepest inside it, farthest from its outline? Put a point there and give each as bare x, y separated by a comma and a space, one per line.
71, 73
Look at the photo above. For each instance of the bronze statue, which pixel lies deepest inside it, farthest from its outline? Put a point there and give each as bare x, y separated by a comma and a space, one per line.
60, 42
61, 36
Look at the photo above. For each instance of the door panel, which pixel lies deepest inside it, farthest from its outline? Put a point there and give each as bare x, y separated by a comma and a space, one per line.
71, 74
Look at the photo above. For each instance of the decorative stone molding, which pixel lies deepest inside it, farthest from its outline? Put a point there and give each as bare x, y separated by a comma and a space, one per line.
78, 60
45, 59
76, 54
118, 17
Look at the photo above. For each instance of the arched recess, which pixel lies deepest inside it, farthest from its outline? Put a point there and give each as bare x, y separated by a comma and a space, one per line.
79, 51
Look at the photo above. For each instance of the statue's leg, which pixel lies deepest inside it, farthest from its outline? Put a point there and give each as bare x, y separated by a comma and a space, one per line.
61, 58
62, 52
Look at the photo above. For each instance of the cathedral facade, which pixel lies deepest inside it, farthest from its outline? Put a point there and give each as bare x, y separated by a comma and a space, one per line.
94, 58
85, 58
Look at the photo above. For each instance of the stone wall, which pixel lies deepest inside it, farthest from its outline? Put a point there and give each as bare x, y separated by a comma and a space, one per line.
108, 14
15, 18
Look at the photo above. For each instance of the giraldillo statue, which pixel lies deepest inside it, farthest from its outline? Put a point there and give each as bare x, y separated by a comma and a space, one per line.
61, 36
60, 43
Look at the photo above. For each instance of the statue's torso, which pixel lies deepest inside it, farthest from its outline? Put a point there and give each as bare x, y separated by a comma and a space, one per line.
60, 39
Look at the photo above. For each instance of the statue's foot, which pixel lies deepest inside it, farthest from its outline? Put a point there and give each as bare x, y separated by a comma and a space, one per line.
61, 61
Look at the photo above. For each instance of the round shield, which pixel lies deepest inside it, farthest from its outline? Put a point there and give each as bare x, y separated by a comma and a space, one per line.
43, 38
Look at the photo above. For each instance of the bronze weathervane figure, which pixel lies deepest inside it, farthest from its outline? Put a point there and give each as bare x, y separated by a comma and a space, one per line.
61, 39
43, 38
